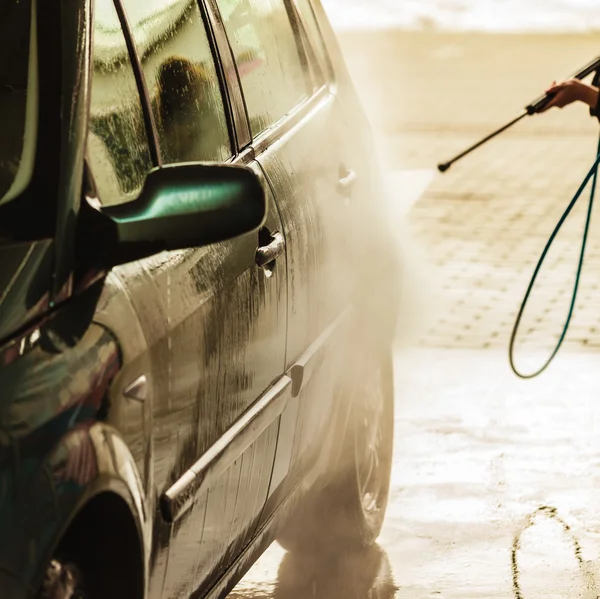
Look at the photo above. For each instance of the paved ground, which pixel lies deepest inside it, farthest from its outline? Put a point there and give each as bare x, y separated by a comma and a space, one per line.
496, 480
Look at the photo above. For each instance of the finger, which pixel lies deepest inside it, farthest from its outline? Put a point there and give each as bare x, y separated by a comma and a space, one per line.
548, 106
550, 101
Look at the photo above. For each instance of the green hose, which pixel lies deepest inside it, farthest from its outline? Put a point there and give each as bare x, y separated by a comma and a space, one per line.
592, 174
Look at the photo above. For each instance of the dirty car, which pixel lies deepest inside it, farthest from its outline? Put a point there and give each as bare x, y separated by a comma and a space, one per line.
197, 296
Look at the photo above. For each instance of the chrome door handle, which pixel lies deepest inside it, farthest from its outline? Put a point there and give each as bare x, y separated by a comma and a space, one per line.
347, 181
266, 254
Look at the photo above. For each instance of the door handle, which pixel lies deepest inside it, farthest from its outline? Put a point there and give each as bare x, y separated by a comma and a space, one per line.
267, 254
347, 181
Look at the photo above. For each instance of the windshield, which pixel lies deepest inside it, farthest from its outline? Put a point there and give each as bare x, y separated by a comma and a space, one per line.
18, 96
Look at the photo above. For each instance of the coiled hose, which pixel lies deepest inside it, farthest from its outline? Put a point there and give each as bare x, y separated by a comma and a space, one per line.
592, 174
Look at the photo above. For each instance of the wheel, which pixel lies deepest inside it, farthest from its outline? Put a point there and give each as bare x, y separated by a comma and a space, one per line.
99, 556
349, 510
366, 573
63, 580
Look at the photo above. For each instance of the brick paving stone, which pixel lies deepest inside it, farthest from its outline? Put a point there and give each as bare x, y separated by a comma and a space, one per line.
486, 246
495, 244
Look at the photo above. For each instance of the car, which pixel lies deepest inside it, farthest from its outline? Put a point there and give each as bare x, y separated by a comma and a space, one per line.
198, 296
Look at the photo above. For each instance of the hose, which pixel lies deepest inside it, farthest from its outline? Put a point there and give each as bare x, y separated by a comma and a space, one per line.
592, 174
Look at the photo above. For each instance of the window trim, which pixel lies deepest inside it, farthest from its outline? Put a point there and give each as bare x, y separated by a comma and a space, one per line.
136, 65
320, 54
292, 120
308, 56
237, 124
298, 32
231, 77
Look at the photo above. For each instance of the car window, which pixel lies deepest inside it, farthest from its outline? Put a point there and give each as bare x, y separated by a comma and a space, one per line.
314, 34
268, 59
18, 97
181, 79
118, 150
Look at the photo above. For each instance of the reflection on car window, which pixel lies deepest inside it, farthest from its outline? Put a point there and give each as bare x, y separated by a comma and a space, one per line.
18, 96
267, 57
118, 148
314, 34
181, 79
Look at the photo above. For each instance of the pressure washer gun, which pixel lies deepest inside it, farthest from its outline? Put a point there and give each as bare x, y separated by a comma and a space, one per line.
532, 108
592, 176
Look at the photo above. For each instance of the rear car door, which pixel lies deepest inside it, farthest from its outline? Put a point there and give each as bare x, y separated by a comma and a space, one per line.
214, 320
298, 135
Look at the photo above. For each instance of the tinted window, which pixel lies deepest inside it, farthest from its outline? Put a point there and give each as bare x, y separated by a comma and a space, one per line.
267, 57
181, 79
18, 97
118, 148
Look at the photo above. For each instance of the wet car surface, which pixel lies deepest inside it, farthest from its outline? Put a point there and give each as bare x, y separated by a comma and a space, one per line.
195, 330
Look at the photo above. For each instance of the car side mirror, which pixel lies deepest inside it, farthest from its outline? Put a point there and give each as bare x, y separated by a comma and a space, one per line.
186, 205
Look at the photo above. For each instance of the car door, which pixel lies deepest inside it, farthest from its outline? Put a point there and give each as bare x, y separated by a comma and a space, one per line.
298, 134
373, 233
214, 318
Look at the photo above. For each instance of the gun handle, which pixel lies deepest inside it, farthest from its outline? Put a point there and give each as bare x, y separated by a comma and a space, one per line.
539, 103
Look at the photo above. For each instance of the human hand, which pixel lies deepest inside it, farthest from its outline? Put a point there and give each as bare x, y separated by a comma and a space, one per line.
569, 91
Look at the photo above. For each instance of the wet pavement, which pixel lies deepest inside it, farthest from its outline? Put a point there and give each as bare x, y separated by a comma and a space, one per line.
494, 491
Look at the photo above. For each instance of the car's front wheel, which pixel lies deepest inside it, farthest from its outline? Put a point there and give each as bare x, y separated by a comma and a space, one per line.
348, 511
63, 580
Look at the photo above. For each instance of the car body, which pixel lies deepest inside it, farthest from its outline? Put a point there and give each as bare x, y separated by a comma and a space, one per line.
172, 392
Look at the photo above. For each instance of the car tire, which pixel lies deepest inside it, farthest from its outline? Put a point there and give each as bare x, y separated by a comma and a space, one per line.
63, 580
366, 574
348, 511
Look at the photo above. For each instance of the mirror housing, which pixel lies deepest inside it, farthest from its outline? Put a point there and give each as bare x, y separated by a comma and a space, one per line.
184, 206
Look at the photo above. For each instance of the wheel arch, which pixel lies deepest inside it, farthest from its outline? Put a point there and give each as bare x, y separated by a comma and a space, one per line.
104, 540
108, 525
